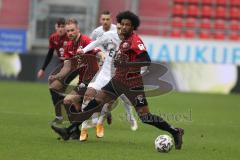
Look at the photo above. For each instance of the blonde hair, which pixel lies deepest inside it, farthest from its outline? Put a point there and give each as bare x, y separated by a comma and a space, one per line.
72, 21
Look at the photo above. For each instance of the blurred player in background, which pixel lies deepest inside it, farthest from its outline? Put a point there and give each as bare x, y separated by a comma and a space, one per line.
57, 41
106, 25
132, 55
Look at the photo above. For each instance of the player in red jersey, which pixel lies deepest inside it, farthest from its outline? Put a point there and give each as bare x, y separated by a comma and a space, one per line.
132, 55
86, 64
57, 41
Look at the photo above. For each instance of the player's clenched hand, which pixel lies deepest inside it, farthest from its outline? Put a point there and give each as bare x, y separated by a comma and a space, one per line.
62, 58
80, 51
40, 73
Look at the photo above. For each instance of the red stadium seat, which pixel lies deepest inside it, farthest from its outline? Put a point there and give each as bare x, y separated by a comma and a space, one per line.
189, 34
234, 36
221, 12
192, 11
219, 35
205, 35
205, 24
235, 2
192, 1
191, 23
221, 2
176, 33
234, 13
234, 25
179, 1
206, 12
177, 22
206, 2
178, 10
219, 24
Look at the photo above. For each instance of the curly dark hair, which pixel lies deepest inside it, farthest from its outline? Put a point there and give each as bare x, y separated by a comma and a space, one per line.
130, 16
61, 21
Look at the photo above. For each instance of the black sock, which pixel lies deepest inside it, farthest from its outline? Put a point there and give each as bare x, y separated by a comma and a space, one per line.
55, 96
92, 104
158, 122
73, 109
73, 127
58, 111
57, 99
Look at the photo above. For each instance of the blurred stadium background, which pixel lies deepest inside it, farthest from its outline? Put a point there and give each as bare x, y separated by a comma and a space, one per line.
198, 40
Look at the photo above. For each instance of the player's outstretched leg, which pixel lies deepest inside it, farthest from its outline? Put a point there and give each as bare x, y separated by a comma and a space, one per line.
154, 120
88, 96
65, 133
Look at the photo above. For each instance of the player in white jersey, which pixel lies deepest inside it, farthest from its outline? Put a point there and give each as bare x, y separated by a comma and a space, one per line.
106, 72
106, 25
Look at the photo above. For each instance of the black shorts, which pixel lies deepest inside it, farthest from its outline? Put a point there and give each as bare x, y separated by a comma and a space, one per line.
135, 95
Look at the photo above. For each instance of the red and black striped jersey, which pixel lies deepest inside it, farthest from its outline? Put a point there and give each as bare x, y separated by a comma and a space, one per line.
57, 43
128, 51
88, 65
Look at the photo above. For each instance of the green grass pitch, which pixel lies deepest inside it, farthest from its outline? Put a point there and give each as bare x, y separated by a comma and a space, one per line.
211, 123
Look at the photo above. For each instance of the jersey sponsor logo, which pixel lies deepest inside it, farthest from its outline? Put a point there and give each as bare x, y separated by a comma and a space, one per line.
141, 47
64, 43
55, 42
61, 51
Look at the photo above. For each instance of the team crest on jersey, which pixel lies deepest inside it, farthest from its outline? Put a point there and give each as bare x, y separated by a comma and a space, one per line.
126, 45
64, 43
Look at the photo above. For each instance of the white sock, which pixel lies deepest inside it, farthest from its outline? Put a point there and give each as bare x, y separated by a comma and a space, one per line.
128, 108
95, 118
87, 124
59, 117
103, 113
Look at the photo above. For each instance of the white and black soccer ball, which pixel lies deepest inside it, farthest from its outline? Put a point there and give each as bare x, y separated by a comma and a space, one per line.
163, 143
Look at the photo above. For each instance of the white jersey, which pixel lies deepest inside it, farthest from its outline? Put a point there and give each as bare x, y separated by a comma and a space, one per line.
112, 41
98, 32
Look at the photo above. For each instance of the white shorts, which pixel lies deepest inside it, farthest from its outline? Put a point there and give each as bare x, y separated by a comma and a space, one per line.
99, 82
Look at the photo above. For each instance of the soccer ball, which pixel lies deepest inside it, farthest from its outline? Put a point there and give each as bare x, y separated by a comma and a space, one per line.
163, 143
